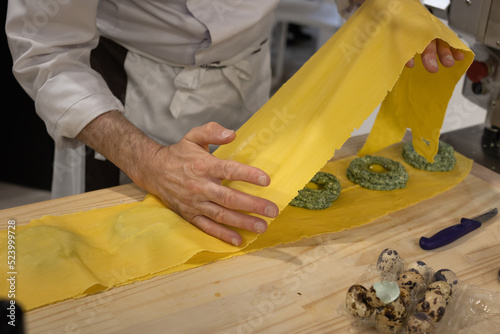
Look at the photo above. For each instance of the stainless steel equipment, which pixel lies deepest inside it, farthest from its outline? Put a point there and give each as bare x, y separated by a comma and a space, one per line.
477, 22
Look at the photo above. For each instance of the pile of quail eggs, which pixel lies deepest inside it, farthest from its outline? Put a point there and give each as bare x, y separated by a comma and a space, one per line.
407, 299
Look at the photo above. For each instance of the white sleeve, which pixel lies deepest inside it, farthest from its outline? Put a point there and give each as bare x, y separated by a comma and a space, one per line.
50, 42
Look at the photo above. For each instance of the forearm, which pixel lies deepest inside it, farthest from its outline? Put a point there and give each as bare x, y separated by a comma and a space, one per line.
121, 142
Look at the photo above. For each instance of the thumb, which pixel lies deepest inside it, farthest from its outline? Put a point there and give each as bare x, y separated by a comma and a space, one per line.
210, 134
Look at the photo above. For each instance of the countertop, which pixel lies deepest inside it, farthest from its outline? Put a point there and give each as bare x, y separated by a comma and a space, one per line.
292, 288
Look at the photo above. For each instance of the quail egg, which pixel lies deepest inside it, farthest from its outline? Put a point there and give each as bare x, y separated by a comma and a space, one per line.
355, 302
420, 323
441, 287
424, 270
405, 297
389, 263
391, 317
433, 304
411, 280
446, 275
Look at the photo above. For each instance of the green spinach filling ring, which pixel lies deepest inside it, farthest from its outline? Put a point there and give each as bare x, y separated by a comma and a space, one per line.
444, 160
321, 198
390, 175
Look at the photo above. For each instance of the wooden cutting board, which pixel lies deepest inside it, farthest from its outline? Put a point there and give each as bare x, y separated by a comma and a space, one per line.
293, 288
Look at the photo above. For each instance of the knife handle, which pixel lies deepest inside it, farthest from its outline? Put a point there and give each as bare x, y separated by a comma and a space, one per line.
449, 234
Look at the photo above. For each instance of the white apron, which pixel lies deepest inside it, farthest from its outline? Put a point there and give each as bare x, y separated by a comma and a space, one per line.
177, 99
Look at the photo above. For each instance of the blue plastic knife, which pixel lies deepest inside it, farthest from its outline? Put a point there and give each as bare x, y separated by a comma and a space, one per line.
452, 233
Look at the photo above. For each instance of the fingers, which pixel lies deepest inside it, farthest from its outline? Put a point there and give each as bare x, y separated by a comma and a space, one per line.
444, 53
234, 218
213, 133
429, 57
410, 63
224, 205
210, 133
216, 218
193, 188
229, 170
236, 200
216, 230
457, 54
442, 50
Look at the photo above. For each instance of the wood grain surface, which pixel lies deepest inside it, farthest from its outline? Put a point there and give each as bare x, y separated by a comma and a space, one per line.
293, 288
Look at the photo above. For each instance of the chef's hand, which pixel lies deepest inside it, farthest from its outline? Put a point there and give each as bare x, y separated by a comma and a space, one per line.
187, 178
438, 49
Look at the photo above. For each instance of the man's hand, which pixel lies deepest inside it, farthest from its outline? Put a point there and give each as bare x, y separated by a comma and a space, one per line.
438, 48
185, 176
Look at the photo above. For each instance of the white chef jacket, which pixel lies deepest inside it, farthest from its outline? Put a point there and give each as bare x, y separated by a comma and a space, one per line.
169, 41
51, 40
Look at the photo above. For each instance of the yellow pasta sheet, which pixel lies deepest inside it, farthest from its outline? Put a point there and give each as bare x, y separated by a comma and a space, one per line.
61, 257
291, 138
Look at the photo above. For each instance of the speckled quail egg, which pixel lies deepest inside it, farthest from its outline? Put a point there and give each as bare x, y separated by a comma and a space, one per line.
433, 304
446, 275
355, 302
405, 297
420, 323
389, 263
372, 299
411, 280
441, 287
391, 317
424, 270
